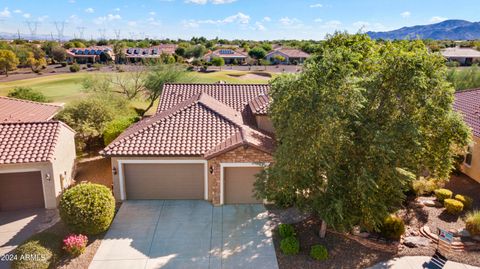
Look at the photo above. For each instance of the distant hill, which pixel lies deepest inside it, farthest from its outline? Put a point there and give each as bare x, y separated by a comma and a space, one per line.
449, 29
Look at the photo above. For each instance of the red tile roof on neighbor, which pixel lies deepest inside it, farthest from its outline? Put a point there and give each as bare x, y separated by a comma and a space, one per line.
259, 105
193, 123
28, 141
468, 103
16, 110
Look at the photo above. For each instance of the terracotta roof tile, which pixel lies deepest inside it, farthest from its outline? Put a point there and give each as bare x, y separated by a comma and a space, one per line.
468, 103
16, 110
197, 125
28, 141
259, 105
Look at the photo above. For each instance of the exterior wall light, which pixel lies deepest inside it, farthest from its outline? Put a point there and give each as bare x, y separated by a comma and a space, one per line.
211, 169
47, 176
114, 170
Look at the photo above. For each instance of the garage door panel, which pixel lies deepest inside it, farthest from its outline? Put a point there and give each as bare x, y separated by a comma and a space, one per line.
21, 191
164, 181
239, 185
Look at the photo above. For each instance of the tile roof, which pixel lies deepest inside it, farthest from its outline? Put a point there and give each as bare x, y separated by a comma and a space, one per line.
197, 125
468, 103
460, 52
235, 96
227, 53
259, 105
292, 53
16, 110
28, 142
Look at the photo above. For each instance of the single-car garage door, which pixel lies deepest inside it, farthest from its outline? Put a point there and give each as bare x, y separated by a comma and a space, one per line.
164, 181
238, 185
21, 191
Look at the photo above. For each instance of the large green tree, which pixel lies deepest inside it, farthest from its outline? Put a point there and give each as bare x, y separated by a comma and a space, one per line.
356, 127
8, 61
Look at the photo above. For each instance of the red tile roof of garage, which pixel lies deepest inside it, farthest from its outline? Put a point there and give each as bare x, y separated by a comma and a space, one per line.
197, 125
28, 142
16, 110
468, 103
259, 105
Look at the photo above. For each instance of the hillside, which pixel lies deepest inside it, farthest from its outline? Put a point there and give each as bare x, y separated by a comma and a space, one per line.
449, 29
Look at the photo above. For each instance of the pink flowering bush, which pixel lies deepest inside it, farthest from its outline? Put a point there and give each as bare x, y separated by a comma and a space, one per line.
75, 244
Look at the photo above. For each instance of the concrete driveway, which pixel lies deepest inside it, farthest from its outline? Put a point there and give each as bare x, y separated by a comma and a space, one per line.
17, 226
187, 234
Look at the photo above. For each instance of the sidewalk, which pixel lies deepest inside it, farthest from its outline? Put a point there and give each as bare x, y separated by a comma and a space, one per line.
418, 262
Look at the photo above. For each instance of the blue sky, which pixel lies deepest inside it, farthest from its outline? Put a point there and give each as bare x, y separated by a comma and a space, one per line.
231, 19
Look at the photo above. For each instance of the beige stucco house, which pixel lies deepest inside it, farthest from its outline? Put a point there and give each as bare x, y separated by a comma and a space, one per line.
206, 141
37, 155
468, 103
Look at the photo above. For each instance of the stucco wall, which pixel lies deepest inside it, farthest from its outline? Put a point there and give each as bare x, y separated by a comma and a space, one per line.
264, 123
64, 160
45, 169
473, 171
238, 155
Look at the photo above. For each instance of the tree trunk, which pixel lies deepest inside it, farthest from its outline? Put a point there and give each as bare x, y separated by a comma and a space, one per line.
323, 229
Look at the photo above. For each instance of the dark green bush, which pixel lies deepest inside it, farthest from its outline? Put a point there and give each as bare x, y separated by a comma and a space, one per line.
466, 200
392, 227
319, 252
39, 251
87, 208
63, 64
290, 245
453, 206
472, 223
286, 230
25, 93
116, 127
443, 194
74, 68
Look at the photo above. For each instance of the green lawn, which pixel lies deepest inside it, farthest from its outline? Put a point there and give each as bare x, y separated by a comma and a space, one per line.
64, 88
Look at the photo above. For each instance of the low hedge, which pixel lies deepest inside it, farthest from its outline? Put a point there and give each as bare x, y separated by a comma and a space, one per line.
466, 200
453, 206
290, 245
319, 252
443, 194
87, 208
286, 230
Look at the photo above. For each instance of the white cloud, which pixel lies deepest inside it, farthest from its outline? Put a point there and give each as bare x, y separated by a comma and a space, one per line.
109, 17
438, 19
259, 26
220, 2
405, 14
215, 2
190, 24
152, 13
132, 23
267, 19
74, 19
198, 2
317, 20
153, 21
316, 5
5, 13
89, 10
17, 11
26, 15
289, 21
332, 25
237, 18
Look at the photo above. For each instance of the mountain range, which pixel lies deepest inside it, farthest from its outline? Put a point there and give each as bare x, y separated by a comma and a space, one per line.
445, 30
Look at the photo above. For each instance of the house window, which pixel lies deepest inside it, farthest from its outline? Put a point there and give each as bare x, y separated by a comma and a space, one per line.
469, 155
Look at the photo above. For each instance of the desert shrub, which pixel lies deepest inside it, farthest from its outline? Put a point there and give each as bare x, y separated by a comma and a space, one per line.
286, 230
97, 66
44, 246
74, 68
25, 93
63, 64
319, 252
392, 227
453, 206
114, 128
452, 64
75, 245
290, 245
87, 208
443, 194
472, 223
466, 200
423, 186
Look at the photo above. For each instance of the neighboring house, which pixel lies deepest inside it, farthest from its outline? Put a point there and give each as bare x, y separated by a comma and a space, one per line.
134, 55
465, 56
468, 103
230, 56
291, 56
205, 142
37, 155
100, 54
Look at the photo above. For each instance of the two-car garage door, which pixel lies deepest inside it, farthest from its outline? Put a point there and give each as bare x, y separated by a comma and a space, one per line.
164, 181
21, 190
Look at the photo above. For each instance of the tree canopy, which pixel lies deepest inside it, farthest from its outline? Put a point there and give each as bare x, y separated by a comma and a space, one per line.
359, 123
8, 61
